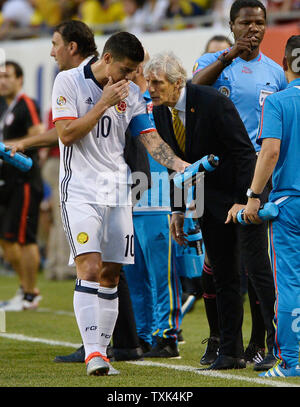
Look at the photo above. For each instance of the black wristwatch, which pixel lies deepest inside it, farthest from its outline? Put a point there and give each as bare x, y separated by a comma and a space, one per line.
251, 194
225, 62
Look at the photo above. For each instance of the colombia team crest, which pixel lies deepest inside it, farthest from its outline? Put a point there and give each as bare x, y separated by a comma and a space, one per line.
82, 237
61, 100
121, 106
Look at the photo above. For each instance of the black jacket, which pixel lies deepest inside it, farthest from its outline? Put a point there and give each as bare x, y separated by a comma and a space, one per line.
213, 126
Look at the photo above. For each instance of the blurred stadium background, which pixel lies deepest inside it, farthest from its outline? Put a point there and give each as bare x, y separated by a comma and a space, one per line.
183, 26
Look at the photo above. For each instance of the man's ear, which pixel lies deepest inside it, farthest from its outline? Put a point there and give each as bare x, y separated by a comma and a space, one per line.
73, 47
107, 57
178, 84
285, 64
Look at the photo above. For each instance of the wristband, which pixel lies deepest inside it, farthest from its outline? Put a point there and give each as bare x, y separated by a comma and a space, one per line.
223, 59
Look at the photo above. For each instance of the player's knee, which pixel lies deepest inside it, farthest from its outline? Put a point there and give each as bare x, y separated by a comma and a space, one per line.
88, 268
110, 275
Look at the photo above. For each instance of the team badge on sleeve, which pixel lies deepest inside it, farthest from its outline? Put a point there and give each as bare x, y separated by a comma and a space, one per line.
61, 101
82, 237
149, 107
195, 67
225, 91
121, 106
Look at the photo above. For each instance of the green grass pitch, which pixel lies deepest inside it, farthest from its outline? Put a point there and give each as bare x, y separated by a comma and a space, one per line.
51, 330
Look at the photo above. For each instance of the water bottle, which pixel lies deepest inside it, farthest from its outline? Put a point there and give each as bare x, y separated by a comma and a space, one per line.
268, 211
19, 160
207, 163
195, 239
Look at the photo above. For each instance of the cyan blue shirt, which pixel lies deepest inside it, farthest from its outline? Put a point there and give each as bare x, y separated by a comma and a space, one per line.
247, 84
281, 120
157, 198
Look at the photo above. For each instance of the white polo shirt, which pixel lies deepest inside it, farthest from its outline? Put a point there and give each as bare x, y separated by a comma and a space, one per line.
93, 170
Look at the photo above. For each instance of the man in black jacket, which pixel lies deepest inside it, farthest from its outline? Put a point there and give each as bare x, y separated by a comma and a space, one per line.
211, 125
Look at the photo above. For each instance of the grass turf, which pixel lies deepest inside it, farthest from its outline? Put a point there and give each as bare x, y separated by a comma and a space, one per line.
25, 364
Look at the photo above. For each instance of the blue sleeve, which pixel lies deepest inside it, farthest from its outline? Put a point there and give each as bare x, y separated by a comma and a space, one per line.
140, 124
271, 120
283, 82
205, 60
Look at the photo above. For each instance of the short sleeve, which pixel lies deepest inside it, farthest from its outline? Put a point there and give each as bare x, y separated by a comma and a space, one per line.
271, 120
140, 122
204, 61
64, 96
139, 103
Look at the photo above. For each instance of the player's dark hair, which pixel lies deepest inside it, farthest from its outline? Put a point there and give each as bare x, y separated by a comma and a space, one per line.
219, 38
17, 68
79, 32
124, 45
239, 4
292, 53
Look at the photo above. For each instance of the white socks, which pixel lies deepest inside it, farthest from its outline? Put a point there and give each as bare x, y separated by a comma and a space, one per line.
96, 311
109, 308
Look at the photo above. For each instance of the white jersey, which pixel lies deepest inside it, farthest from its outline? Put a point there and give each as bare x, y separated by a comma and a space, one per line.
93, 169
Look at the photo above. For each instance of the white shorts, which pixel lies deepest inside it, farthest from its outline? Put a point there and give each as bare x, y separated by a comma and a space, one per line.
102, 229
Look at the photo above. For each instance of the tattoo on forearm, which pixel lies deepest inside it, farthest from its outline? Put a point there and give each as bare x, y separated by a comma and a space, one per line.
159, 150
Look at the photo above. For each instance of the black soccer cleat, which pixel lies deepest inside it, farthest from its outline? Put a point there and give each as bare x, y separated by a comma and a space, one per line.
75, 357
267, 363
254, 353
211, 351
224, 362
165, 348
121, 354
145, 346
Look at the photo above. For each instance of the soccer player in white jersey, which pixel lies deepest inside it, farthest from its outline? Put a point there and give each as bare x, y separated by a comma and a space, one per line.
92, 107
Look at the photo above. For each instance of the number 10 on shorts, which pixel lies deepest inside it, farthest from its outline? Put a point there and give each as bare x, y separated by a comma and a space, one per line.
129, 245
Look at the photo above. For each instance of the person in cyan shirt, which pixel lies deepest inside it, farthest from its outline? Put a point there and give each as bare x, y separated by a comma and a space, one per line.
279, 137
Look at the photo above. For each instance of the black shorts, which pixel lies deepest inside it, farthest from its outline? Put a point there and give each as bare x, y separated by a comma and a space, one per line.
20, 214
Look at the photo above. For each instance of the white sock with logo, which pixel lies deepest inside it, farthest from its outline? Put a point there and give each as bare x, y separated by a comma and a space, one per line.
109, 309
86, 308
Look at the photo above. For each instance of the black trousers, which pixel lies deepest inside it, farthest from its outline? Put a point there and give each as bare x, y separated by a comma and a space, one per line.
221, 244
125, 334
255, 257
254, 252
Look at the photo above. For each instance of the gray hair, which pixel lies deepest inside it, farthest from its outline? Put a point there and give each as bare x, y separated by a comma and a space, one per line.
169, 64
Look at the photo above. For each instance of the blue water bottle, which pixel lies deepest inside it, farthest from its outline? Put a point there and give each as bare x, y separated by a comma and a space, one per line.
19, 160
268, 211
207, 163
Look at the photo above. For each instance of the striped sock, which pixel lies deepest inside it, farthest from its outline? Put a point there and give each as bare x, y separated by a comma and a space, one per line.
210, 301
109, 308
86, 308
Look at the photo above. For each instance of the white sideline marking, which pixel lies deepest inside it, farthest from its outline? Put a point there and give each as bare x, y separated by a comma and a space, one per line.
19, 337
215, 374
70, 313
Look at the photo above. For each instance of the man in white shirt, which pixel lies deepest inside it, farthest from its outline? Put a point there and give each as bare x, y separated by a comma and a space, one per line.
92, 107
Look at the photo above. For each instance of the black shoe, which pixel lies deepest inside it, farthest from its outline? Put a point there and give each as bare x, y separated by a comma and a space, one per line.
267, 363
75, 357
226, 362
165, 348
118, 354
211, 351
180, 337
145, 346
254, 353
